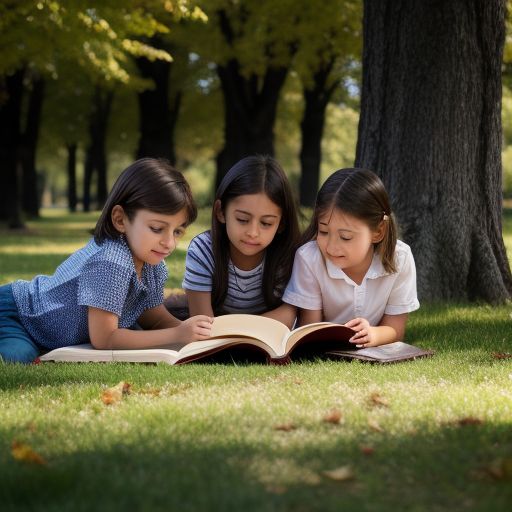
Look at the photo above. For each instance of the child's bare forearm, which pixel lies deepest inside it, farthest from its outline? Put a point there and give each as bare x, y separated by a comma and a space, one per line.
285, 313
131, 339
383, 334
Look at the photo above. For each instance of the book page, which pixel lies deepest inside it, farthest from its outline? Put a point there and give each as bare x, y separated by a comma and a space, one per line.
391, 350
211, 346
332, 330
267, 330
78, 353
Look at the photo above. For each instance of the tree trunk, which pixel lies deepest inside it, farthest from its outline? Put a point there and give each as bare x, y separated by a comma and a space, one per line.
157, 115
71, 173
316, 99
29, 139
430, 126
250, 107
95, 158
11, 94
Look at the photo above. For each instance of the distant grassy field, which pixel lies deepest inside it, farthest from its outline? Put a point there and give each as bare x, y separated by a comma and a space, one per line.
428, 435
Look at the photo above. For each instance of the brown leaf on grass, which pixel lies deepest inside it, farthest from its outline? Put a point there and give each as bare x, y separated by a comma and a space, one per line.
378, 399
467, 420
285, 427
501, 355
25, 453
340, 474
374, 425
334, 416
113, 395
276, 489
367, 450
151, 391
498, 469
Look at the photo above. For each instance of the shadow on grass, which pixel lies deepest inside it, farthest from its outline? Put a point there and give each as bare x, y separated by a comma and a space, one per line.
448, 469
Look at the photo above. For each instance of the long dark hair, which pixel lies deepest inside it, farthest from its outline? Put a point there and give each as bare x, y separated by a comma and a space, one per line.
360, 193
254, 175
148, 184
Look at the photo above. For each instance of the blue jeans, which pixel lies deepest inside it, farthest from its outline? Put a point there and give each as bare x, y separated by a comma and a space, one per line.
16, 345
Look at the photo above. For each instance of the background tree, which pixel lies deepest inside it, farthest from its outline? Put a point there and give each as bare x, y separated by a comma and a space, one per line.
99, 36
328, 54
430, 126
252, 44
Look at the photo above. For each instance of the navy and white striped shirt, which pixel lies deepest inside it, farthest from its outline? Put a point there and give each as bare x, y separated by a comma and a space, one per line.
245, 293
53, 309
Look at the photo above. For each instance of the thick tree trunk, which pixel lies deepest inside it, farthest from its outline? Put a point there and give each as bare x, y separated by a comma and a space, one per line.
316, 99
11, 94
95, 154
250, 106
430, 126
29, 139
157, 112
71, 174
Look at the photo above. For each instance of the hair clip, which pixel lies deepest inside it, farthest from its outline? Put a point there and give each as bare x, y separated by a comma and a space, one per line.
385, 217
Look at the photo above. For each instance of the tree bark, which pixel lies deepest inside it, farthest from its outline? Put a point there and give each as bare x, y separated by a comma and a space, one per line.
430, 126
95, 153
157, 112
28, 149
250, 107
316, 99
71, 174
11, 94
249, 113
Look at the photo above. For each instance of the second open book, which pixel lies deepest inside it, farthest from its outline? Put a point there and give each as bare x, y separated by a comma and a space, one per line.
262, 336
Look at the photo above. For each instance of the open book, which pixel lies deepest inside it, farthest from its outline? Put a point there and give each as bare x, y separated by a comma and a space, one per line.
256, 337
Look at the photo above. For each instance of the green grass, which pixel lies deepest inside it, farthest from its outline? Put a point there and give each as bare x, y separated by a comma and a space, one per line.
203, 436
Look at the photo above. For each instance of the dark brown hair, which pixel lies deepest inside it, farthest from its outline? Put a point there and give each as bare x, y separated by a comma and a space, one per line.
148, 184
360, 193
254, 175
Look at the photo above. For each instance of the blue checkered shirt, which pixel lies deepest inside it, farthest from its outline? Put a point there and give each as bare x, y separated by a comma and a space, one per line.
53, 309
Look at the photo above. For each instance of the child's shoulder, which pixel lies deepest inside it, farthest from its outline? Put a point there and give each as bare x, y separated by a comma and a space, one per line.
402, 253
309, 251
114, 251
202, 240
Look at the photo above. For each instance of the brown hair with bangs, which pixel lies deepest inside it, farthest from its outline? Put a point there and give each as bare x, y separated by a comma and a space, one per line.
147, 184
360, 193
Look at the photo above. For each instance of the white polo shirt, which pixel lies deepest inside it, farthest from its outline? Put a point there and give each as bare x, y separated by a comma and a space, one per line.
320, 285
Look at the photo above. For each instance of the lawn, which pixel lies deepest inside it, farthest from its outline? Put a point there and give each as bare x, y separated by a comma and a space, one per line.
433, 434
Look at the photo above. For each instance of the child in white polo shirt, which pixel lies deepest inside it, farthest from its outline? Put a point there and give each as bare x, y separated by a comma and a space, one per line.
352, 269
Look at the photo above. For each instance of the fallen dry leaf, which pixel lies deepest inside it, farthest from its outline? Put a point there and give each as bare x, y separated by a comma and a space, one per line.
374, 425
285, 427
333, 416
468, 420
378, 399
340, 474
25, 453
501, 355
367, 450
499, 469
112, 395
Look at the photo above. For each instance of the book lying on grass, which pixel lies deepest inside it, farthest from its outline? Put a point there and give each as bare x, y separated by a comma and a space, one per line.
236, 337
390, 353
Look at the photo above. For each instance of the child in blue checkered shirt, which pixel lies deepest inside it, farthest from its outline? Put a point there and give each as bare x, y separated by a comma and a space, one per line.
106, 291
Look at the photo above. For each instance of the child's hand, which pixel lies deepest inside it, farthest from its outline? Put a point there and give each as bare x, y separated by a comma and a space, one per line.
195, 328
363, 337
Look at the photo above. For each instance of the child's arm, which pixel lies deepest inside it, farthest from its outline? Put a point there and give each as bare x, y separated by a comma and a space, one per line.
391, 328
105, 333
199, 303
285, 313
309, 316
